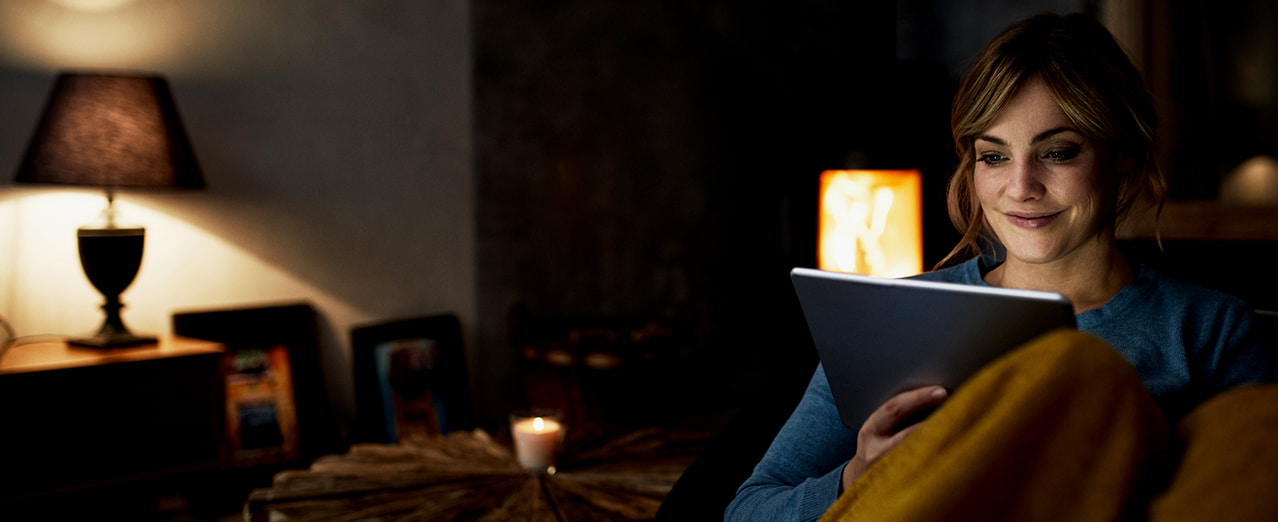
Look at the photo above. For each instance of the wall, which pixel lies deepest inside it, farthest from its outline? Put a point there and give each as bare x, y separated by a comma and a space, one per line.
590, 160
334, 137
952, 32
660, 160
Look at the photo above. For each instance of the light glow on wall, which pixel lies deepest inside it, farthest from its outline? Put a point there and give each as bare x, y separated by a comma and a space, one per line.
92, 5
871, 222
46, 265
1254, 182
183, 267
89, 33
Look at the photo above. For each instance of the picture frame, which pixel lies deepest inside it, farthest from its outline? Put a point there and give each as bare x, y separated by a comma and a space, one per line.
277, 407
410, 379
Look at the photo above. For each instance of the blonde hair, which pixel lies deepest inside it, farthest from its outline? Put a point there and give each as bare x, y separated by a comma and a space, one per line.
1094, 83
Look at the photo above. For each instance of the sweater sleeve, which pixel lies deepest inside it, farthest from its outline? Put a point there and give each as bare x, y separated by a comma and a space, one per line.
800, 474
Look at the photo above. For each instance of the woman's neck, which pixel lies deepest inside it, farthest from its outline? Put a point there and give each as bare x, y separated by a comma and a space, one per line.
1088, 279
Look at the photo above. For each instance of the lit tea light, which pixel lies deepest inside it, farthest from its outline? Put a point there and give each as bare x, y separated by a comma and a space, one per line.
536, 440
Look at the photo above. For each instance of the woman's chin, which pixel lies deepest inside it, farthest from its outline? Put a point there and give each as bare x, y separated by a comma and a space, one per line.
1033, 254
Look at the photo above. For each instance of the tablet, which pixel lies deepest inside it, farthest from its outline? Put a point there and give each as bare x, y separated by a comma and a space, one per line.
878, 337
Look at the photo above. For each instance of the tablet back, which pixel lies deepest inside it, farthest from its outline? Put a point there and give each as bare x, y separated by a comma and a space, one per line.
878, 337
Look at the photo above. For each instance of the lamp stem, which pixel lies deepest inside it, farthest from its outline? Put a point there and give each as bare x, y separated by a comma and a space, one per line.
110, 210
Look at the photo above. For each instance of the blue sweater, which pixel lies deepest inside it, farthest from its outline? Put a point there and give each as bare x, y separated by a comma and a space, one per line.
1186, 342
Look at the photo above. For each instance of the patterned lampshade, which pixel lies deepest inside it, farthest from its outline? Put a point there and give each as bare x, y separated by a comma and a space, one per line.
111, 131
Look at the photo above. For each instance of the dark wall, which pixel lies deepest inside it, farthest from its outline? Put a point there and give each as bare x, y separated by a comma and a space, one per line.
661, 159
590, 165
1220, 103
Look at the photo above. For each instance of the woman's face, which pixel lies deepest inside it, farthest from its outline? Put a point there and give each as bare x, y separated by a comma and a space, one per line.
1046, 190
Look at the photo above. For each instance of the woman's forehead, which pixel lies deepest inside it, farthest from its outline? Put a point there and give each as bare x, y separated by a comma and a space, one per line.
1031, 110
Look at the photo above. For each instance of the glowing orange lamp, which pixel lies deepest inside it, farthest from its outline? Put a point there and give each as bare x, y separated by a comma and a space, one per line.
871, 222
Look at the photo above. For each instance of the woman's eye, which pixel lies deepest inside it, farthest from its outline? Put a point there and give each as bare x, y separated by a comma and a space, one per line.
991, 158
1060, 155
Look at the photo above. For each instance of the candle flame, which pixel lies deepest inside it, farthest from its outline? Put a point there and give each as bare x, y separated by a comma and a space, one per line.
539, 424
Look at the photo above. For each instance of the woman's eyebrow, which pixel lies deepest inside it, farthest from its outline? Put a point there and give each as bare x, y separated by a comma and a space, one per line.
1038, 138
1049, 133
991, 139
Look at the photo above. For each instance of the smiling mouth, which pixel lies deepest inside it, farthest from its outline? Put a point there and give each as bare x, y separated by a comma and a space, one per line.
1032, 220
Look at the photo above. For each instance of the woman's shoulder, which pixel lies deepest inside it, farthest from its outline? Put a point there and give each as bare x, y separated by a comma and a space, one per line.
1175, 293
1223, 331
1202, 317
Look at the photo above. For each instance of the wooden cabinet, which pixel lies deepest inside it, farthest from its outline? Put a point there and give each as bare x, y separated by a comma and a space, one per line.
74, 417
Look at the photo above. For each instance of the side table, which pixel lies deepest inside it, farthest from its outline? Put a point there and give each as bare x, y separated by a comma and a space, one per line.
78, 417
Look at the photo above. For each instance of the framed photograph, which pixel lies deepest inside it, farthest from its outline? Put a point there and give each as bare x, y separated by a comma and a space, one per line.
410, 379
261, 412
277, 409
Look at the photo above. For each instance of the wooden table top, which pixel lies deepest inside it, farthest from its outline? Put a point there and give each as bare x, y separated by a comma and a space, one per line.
57, 354
468, 476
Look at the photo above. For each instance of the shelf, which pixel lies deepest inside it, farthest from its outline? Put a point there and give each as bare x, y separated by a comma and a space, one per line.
1205, 220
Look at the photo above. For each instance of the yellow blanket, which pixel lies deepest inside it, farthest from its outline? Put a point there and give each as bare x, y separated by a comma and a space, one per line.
1229, 470
1064, 429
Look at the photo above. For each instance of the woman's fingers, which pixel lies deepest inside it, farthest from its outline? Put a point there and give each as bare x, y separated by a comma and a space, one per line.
885, 419
877, 437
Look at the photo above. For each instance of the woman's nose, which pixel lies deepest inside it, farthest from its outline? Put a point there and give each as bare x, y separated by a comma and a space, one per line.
1025, 183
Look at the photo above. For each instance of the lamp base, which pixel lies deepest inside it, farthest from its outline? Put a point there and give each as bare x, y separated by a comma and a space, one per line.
110, 257
111, 340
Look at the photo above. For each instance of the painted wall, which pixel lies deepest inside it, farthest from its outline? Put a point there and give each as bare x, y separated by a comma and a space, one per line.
335, 139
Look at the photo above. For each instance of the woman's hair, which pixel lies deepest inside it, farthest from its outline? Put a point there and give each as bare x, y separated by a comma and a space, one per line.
1094, 83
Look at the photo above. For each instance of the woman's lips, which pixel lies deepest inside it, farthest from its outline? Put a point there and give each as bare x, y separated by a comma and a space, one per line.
1031, 220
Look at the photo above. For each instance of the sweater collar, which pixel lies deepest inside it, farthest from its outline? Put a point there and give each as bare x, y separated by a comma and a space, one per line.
975, 269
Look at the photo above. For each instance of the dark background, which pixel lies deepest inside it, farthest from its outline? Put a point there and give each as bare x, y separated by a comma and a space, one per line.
661, 159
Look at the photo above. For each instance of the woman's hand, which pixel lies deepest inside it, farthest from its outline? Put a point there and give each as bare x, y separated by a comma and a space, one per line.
877, 436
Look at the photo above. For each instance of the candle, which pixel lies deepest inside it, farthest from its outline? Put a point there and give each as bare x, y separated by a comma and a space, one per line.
535, 442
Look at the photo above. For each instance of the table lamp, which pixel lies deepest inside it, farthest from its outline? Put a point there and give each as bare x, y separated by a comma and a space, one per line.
111, 131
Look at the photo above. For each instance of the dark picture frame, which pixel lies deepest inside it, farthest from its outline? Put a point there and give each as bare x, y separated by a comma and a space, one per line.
277, 404
410, 378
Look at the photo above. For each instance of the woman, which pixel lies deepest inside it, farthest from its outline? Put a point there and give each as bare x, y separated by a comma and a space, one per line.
1055, 136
